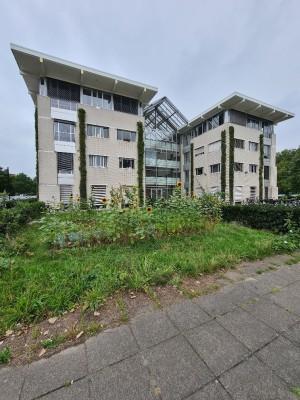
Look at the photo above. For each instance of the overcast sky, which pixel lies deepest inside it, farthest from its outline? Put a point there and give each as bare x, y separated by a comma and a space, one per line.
195, 51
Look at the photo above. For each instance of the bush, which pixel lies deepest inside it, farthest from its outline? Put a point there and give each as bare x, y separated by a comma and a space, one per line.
263, 216
11, 219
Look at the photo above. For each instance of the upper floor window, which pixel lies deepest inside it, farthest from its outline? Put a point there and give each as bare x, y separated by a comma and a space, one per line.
97, 131
97, 98
266, 172
64, 131
187, 157
215, 146
98, 161
215, 168
239, 143
63, 90
125, 104
65, 163
252, 123
199, 171
126, 162
127, 136
238, 167
253, 168
267, 151
199, 151
253, 146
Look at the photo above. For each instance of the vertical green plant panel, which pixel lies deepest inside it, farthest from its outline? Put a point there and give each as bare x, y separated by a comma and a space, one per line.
141, 149
82, 157
192, 169
36, 125
231, 163
223, 163
261, 166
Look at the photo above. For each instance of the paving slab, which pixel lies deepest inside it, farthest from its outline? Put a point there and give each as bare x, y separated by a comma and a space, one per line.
293, 334
11, 381
187, 315
77, 391
127, 380
176, 368
153, 328
109, 347
283, 357
51, 373
289, 274
288, 298
216, 346
252, 380
247, 329
271, 314
212, 391
266, 283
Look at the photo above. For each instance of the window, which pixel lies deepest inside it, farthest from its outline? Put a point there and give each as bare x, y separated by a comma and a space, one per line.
63, 90
239, 143
215, 168
125, 104
187, 157
253, 146
267, 151
238, 167
266, 172
98, 192
126, 162
215, 146
162, 172
65, 193
97, 98
97, 131
252, 123
98, 161
253, 168
64, 131
199, 151
238, 192
199, 171
65, 163
252, 192
127, 136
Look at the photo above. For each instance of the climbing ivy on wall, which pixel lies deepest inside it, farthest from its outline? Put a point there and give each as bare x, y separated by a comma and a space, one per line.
223, 163
231, 163
192, 169
261, 166
36, 125
82, 158
141, 146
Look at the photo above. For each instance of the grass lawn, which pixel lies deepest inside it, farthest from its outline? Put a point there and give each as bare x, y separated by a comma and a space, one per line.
45, 282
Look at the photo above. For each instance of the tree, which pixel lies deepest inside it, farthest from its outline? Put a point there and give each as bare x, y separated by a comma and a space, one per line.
16, 184
288, 171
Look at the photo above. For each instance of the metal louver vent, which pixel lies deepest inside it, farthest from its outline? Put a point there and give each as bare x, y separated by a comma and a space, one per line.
98, 193
65, 163
65, 193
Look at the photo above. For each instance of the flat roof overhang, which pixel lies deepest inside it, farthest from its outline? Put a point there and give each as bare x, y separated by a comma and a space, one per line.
240, 102
33, 65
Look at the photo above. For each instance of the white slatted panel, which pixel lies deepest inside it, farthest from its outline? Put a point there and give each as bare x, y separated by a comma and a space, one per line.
238, 193
98, 193
66, 193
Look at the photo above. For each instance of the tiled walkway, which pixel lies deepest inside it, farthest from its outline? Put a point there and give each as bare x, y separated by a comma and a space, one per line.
241, 343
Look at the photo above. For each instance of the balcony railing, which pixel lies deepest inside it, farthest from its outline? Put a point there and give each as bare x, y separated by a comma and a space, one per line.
64, 104
64, 136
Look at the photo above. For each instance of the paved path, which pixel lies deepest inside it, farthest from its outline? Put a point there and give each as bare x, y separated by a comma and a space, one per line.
240, 343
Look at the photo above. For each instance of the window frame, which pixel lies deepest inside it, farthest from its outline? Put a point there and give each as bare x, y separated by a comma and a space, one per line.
215, 166
103, 165
130, 160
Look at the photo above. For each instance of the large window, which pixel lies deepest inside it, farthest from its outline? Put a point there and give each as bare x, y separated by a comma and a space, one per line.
253, 146
215, 146
126, 162
238, 167
239, 143
252, 123
253, 168
125, 104
127, 136
97, 131
161, 172
98, 161
64, 131
97, 98
214, 168
63, 90
65, 163
267, 151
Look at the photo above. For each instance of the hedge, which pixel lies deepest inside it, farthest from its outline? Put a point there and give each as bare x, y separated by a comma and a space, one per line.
262, 216
11, 219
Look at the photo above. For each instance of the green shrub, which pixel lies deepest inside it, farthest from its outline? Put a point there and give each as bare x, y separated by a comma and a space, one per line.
263, 216
5, 355
11, 219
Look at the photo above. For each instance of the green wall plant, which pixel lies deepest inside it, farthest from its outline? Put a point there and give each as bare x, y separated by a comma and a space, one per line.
141, 149
192, 169
36, 125
261, 166
231, 163
82, 157
223, 163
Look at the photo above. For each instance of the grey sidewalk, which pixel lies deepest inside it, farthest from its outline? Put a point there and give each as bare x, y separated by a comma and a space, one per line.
241, 343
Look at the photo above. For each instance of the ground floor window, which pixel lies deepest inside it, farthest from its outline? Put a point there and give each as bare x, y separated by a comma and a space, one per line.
238, 190
252, 192
98, 193
66, 194
159, 192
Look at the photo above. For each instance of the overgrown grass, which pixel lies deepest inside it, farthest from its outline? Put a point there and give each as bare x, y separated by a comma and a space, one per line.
43, 282
5, 355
